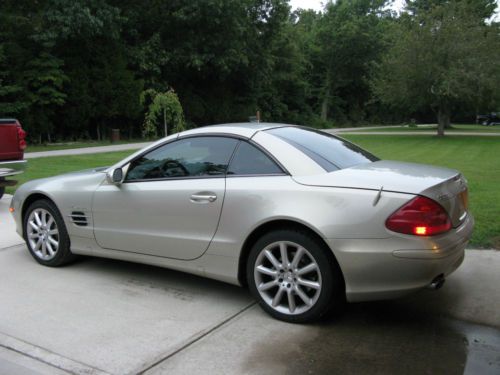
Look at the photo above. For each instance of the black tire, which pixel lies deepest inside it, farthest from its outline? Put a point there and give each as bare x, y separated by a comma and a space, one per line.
63, 254
329, 299
2, 188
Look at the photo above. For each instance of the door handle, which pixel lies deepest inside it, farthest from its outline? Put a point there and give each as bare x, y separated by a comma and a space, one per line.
203, 197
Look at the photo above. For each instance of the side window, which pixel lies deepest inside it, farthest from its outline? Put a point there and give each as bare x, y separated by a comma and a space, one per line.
190, 157
249, 160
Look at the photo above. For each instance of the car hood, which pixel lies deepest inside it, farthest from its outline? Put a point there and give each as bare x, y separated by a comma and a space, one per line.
76, 174
443, 185
86, 171
87, 179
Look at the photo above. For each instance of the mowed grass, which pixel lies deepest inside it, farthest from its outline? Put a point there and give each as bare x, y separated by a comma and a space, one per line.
478, 158
52, 166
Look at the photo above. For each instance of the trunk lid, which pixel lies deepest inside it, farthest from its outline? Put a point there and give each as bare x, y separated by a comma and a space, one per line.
445, 186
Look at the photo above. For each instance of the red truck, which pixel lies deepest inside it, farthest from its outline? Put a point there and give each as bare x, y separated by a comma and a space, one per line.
12, 145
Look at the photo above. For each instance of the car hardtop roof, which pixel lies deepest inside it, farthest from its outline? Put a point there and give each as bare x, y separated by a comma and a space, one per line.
244, 129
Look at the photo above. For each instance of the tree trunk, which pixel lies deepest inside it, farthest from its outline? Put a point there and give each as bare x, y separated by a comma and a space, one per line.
98, 132
443, 118
326, 99
165, 121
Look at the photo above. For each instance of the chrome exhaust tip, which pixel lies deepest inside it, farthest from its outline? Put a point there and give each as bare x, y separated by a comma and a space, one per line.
437, 283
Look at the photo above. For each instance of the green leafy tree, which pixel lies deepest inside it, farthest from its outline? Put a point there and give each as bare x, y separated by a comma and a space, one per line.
441, 57
10, 91
45, 79
222, 56
349, 39
164, 108
102, 91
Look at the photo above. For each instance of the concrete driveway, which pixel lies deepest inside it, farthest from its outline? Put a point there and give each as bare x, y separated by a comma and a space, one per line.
102, 316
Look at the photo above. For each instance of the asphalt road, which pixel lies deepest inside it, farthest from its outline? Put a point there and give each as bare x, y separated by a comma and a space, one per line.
135, 146
101, 316
87, 150
421, 132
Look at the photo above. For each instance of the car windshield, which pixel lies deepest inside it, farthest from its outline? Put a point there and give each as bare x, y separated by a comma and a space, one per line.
330, 152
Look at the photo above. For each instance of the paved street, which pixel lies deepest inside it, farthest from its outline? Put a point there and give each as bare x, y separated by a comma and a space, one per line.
100, 316
469, 134
135, 146
406, 132
382, 131
86, 150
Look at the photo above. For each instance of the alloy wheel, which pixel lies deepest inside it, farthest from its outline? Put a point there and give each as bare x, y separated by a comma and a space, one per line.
287, 277
43, 234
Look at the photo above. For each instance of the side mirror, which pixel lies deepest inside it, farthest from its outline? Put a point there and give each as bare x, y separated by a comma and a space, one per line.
116, 176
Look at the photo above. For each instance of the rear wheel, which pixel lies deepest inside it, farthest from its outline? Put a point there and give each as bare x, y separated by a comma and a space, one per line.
46, 235
293, 277
2, 188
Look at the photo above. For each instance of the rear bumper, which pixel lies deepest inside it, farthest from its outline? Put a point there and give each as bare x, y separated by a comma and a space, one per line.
392, 267
11, 168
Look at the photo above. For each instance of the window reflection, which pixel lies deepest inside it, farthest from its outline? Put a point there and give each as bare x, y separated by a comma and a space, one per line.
190, 157
330, 152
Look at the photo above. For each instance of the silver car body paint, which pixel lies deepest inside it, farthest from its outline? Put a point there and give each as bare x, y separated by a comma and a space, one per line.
140, 222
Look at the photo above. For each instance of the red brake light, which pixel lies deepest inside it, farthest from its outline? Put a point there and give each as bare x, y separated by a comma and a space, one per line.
21, 135
421, 217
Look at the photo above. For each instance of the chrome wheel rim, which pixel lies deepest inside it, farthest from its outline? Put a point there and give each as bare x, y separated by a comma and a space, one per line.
43, 235
287, 277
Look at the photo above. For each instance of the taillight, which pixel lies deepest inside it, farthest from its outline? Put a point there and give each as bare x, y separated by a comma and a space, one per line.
421, 217
21, 137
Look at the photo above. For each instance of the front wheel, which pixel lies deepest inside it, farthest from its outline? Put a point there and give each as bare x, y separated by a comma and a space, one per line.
2, 188
45, 234
293, 276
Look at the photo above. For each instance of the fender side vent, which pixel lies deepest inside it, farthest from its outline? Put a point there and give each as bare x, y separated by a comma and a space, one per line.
79, 218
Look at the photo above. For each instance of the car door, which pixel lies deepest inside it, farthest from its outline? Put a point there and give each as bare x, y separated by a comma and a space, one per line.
170, 201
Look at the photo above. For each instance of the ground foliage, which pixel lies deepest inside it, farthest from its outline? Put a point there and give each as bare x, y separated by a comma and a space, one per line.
74, 69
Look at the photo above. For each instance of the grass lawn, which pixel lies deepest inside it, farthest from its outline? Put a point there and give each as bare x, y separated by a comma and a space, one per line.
478, 158
52, 166
455, 128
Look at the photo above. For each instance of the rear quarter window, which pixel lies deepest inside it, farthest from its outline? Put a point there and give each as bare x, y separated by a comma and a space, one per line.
249, 160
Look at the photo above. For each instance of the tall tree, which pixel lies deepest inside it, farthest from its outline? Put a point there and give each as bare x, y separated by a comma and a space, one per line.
349, 38
11, 103
441, 56
45, 80
102, 91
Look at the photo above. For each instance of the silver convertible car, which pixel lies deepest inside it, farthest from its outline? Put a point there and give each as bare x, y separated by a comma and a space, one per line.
305, 219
